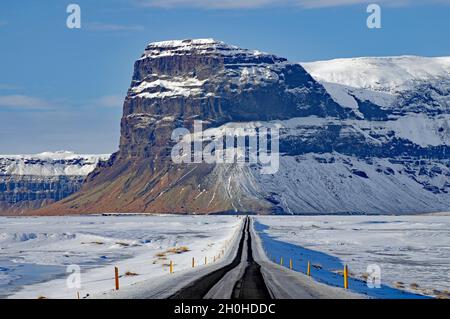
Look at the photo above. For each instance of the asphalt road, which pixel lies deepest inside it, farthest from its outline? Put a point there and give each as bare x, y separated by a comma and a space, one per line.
250, 285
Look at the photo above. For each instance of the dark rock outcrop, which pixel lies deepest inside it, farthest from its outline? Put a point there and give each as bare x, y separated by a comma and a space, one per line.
30, 182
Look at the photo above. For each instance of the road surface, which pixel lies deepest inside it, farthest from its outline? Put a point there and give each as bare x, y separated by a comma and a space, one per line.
244, 272
250, 275
250, 285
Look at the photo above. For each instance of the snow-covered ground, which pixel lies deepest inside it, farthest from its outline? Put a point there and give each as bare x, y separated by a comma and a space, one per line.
413, 252
35, 252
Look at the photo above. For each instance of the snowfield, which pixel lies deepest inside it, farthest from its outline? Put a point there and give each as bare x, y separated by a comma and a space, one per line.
35, 252
412, 251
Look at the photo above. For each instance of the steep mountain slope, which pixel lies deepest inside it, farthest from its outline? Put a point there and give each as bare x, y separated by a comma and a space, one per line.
353, 138
32, 181
393, 159
175, 83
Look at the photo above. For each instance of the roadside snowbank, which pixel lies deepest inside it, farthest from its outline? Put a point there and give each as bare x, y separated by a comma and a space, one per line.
412, 251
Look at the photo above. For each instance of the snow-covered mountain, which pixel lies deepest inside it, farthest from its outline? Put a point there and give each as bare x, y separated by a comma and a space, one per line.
383, 87
368, 135
32, 181
383, 74
50, 164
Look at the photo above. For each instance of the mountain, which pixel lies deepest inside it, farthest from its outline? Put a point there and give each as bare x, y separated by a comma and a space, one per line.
367, 135
32, 181
395, 85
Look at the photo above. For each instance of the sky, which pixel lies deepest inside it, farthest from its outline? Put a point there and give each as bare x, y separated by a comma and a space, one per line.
63, 89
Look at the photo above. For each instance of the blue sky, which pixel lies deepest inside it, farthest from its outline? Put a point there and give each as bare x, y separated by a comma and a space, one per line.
63, 89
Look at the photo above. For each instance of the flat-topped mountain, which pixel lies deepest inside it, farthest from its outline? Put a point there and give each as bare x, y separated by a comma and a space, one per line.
353, 138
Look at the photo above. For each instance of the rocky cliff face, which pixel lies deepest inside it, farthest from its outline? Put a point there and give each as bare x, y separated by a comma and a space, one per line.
29, 182
346, 146
175, 83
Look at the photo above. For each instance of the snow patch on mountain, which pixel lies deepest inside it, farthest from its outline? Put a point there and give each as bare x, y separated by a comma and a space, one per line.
314, 181
383, 74
336, 183
201, 46
397, 85
62, 163
416, 128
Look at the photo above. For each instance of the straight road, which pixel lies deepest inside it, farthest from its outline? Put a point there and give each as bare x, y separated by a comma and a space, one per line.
251, 275
250, 285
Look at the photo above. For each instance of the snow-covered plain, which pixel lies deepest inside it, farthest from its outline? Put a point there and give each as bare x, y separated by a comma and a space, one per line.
35, 252
412, 251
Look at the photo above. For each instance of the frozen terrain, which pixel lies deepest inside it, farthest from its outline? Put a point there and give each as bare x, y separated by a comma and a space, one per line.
412, 251
34, 252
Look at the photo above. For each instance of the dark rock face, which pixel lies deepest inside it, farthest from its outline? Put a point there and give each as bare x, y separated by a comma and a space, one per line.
29, 182
348, 139
22, 193
175, 83
430, 98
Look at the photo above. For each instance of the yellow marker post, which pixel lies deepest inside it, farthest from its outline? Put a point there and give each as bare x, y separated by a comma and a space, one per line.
193, 262
290, 264
345, 277
171, 267
281, 261
308, 272
116, 276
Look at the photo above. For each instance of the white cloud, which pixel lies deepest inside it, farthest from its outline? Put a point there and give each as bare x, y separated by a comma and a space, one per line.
236, 4
110, 101
6, 86
24, 102
111, 27
32, 103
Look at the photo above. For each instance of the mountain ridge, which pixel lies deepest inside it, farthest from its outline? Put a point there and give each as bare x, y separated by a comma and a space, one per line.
29, 182
368, 157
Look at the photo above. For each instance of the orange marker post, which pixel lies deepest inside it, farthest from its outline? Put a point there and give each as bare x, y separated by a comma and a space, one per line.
116, 275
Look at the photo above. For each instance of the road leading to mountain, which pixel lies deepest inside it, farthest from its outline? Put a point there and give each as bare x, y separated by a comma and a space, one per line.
250, 286
252, 276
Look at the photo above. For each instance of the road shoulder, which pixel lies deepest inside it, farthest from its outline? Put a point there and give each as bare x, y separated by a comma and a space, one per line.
284, 283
